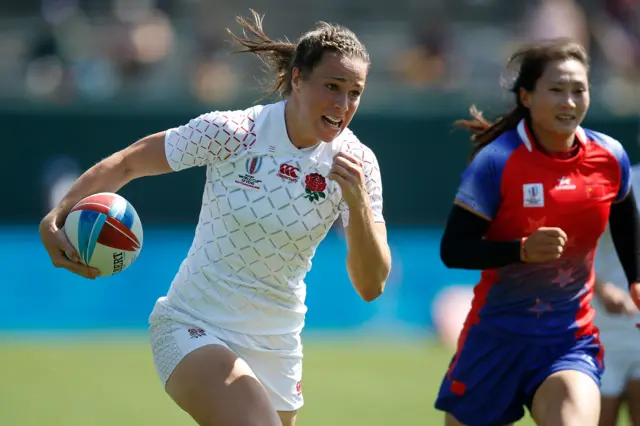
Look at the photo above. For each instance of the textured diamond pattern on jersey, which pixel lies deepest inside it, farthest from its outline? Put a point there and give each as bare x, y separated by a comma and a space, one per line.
209, 138
257, 233
373, 181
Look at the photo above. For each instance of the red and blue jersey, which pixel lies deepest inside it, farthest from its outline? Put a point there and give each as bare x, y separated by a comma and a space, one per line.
520, 188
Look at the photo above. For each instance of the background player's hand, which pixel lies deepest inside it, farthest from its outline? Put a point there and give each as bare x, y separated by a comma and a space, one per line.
348, 172
615, 300
543, 245
57, 244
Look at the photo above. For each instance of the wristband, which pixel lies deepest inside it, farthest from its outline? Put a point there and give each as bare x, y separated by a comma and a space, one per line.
523, 251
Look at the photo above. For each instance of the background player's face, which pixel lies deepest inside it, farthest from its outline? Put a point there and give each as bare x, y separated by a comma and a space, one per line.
560, 98
329, 96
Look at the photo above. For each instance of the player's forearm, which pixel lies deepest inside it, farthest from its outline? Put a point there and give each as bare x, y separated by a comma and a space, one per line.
463, 245
109, 175
146, 157
624, 224
599, 286
479, 254
368, 255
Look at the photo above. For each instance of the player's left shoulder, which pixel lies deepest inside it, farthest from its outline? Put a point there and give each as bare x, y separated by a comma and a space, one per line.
605, 141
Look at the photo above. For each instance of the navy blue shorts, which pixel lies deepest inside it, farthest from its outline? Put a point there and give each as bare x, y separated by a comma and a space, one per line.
491, 379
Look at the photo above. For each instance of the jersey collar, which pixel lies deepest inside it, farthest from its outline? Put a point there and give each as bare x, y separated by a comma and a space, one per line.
272, 137
527, 139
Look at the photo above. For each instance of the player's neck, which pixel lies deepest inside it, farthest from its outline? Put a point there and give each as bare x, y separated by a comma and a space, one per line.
552, 142
295, 131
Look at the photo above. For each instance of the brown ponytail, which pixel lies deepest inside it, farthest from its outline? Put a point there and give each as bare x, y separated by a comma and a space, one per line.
484, 131
283, 56
277, 55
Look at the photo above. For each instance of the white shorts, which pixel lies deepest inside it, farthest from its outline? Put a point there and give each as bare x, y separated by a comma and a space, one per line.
621, 367
275, 360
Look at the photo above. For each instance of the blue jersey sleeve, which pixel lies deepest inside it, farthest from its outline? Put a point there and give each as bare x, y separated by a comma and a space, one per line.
480, 187
621, 156
625, 176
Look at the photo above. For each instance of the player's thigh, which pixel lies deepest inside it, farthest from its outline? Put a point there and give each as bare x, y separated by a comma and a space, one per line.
567, 398
204, 377
217, 388
279, 369
288, 418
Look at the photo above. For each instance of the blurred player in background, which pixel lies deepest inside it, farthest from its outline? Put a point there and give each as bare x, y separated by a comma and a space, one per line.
226, 338
616, 317
532, 204
449, 311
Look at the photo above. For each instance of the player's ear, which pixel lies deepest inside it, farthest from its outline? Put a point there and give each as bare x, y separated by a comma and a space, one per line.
525, 97
296, 79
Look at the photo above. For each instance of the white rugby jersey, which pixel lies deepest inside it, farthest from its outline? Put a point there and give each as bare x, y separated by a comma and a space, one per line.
266, 206
608, 268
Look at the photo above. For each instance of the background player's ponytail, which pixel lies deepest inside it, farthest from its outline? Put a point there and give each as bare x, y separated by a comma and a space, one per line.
281, 57
529, 64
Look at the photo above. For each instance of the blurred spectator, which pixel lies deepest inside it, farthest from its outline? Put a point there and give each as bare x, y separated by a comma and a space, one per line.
44, 67
557, 18
141, 37
617, 29
425, 60
213, 79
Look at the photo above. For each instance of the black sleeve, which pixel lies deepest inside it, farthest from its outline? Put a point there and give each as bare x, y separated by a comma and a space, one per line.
463, 245
625, 232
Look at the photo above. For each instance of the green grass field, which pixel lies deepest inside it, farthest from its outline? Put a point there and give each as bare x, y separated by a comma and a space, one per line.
112, 381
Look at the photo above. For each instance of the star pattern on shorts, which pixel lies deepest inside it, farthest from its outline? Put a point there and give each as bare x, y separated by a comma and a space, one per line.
540, 308
564, 275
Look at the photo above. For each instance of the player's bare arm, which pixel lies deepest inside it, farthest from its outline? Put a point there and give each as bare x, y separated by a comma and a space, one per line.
368, 255
614, 300
143, 158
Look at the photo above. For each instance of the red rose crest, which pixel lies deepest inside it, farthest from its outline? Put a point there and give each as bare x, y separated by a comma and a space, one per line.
315, 185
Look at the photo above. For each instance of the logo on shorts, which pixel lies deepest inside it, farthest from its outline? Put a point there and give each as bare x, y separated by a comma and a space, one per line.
196, 333
299, 387
589, 360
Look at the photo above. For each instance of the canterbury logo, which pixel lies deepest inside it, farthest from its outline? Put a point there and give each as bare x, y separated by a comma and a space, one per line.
288, 171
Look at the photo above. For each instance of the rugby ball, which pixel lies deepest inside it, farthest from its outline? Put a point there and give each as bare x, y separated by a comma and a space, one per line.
106, 232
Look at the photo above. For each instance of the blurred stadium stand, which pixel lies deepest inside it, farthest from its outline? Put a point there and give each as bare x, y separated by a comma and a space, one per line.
426, 54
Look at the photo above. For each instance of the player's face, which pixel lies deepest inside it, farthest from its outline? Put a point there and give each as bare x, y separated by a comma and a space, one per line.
560, 99
329, 97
